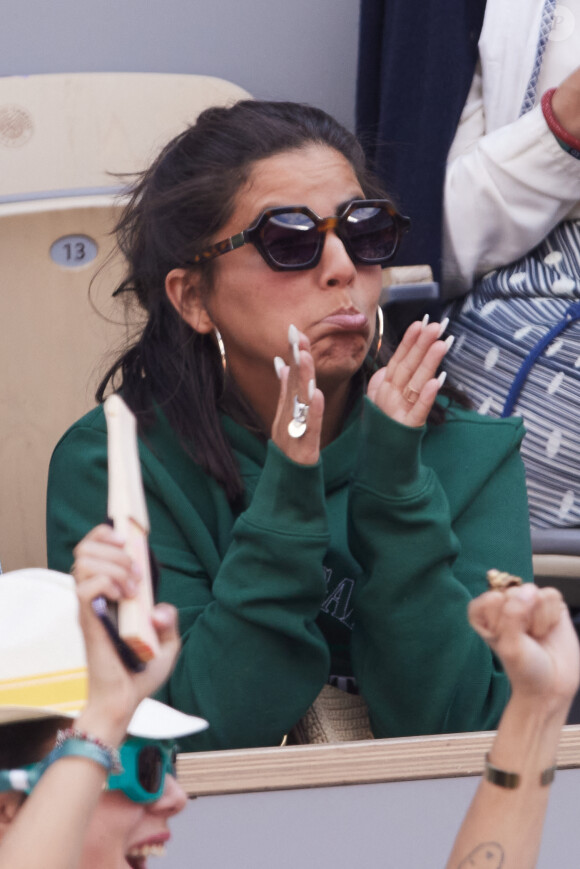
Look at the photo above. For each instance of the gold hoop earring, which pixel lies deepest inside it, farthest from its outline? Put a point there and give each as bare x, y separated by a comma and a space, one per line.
221, 348
380, 330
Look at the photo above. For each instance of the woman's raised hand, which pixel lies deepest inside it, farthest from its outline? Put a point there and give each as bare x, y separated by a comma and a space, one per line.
300, 403
406, 387
103, 568
531, 632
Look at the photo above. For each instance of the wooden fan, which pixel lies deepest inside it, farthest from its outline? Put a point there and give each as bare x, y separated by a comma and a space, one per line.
128, 511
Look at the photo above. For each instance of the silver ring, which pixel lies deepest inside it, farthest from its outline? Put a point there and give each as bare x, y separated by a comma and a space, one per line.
297, 425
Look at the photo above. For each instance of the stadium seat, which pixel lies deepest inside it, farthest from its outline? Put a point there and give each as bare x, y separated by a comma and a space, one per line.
64, 139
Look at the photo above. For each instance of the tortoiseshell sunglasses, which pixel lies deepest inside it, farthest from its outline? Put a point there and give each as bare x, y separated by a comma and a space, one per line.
291, 238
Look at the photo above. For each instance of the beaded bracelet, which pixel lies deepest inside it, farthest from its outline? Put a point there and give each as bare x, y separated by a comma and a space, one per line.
565, 139
512, 780
77, 743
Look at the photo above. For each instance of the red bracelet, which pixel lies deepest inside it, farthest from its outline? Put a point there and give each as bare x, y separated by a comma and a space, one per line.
555, 126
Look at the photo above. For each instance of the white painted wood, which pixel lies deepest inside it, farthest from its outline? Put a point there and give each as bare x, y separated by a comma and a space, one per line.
389, 825
394, 803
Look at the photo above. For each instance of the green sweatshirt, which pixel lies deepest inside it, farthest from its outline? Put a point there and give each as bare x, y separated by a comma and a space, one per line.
362, 565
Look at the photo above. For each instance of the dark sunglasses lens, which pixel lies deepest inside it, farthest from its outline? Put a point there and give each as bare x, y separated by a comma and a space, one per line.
150, 768
372, 233
291, 238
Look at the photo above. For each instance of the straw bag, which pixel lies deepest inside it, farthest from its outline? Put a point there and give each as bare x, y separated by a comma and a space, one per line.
335, 716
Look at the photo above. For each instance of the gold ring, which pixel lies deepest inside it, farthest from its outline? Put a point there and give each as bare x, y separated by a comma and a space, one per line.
498, 580
411, 395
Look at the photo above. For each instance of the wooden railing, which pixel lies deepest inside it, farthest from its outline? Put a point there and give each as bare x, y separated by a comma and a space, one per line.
381, 760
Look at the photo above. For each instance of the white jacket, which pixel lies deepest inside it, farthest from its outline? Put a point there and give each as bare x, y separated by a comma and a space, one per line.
508, 181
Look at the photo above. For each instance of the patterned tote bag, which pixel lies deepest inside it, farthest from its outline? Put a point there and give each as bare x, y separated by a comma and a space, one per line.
517, 350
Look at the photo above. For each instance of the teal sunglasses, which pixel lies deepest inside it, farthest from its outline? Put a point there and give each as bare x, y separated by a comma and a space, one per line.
145, 763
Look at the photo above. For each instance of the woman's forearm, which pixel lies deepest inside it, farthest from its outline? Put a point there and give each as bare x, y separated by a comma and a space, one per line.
51, 826
504, 822
424, 557
41, 835
521, 184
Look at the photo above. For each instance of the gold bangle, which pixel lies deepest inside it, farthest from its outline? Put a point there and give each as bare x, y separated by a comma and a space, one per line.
512, 780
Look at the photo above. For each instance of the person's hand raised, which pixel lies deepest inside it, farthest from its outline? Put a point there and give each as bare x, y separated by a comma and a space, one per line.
530, 630
299, 400
103, 568
406, 387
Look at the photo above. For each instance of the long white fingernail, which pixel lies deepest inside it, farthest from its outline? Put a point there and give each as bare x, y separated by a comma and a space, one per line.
449, 343
293, 334
425, 321
441, 379
311, 388
443, 326
296, 352
278, 365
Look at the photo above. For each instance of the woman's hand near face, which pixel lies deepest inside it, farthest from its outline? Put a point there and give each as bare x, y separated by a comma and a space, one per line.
103, 568
297, 381
406, 388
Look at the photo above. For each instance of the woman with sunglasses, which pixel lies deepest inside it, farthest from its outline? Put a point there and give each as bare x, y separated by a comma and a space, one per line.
319, 511
53, 766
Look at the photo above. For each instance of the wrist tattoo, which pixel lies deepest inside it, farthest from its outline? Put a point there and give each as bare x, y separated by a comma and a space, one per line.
487, 856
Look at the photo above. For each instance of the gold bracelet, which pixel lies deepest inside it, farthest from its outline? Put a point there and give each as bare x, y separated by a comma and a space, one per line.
511, 780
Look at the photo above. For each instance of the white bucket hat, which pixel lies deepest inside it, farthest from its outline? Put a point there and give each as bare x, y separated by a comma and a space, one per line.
43, 669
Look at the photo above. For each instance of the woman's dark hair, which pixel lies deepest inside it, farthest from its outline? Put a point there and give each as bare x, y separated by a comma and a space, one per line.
24, 742
175, 210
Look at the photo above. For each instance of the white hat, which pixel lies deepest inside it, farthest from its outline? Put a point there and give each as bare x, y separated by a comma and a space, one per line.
43, 669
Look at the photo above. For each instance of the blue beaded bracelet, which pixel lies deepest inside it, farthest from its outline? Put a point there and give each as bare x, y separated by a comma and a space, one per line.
81, 748
70, 743
75, 743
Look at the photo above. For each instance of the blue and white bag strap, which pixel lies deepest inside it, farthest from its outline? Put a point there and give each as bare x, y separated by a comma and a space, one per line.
572, 314
546, 23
